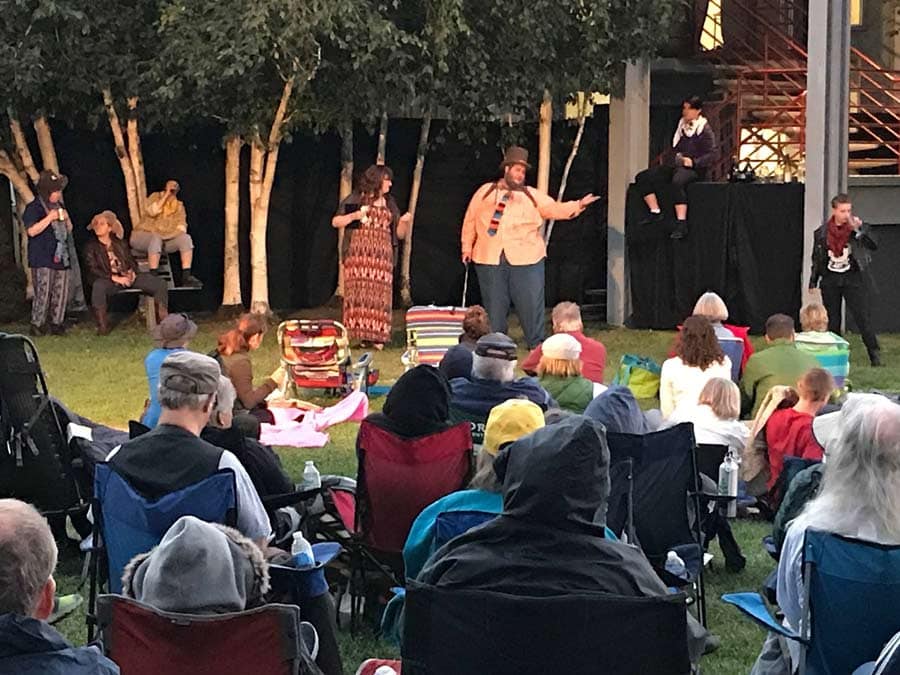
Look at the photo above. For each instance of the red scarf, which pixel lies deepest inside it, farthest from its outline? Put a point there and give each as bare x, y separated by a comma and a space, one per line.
838, 236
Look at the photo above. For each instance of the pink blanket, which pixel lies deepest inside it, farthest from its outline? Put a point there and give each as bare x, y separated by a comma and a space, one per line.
309, 430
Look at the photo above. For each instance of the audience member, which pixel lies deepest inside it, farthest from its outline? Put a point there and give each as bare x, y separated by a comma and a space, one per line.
711, 306
780, 363
830, 349
566, 318
698, 359
417, 405
170, 335
233, 353
28, 644
716, 416
111, 269
165, 226
457, 362
789, 430
494, 380
549, 538
172, 456
199, 568
559, 372
618, 411
262, 464
859, 496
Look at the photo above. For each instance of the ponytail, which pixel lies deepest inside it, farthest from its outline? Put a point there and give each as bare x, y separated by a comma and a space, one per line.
238, 338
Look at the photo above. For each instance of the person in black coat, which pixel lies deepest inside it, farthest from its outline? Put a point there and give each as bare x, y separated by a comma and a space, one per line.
842, 253
694, 146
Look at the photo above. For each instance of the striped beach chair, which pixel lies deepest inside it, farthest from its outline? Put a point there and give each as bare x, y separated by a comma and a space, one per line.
430, 331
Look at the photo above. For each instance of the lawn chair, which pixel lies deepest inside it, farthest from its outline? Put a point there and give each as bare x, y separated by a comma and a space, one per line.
734, 350
397, 478
665, 482
620, 503
454, 631
851, 592
451, 524
126, 523
146, 641
430, 332
37, 463
316, 355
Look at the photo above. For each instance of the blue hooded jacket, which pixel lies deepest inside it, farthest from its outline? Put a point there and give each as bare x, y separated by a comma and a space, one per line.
32, 647
618, 411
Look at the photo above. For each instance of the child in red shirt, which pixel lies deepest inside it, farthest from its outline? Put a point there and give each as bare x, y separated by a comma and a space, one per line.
789, 430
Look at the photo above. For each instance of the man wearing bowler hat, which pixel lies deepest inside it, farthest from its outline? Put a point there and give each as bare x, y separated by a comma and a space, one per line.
501, 234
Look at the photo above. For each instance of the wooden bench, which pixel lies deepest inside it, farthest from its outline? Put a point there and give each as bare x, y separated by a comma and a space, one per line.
164, 271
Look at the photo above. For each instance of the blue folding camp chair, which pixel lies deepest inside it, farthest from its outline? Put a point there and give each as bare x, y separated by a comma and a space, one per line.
734, 350
126, 523
451, 524
851, 594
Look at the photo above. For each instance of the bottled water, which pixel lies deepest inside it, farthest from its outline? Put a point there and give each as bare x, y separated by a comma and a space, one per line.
312, 480
728, 483
675, 565
302, 552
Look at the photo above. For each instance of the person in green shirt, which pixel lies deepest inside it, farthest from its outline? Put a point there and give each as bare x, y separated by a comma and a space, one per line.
780, 363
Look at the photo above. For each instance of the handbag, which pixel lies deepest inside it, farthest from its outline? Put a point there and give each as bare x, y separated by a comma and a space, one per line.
640, 374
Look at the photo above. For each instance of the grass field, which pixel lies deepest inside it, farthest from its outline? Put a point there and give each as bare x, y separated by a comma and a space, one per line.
103, 379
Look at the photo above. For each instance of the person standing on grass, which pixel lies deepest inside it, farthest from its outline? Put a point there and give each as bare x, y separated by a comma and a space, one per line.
501, 234
28, 644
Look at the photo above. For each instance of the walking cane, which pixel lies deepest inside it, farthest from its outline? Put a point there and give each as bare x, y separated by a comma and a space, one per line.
465, 286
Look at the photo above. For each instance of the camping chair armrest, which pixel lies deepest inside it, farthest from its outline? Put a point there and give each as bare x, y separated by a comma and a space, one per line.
714, 497
753, 605
289, 498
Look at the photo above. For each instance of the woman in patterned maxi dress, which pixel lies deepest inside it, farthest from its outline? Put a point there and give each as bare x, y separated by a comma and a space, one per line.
370, 216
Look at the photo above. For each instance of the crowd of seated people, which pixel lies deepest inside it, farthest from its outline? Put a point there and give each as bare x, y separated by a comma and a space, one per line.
547, 483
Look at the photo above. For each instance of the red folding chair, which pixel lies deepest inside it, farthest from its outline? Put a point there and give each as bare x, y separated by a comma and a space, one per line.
396, 479
145, 641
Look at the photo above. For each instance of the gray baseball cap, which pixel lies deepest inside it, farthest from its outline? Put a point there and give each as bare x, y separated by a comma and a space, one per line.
190, 373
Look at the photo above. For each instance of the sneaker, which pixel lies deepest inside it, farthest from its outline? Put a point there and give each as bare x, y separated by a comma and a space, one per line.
190, 281
652, 219
680, 231
63, 605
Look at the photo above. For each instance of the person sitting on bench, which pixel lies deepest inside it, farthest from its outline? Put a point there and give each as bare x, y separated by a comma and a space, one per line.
695, 150
112, 269
165, 225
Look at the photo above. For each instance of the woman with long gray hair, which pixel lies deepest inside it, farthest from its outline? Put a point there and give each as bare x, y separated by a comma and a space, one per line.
860, 494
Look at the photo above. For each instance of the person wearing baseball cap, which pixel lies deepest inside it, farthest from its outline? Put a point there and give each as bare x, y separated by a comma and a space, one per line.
506, 423
170, 335
172, 456
502, 235
493, 381
48, 226
559, 372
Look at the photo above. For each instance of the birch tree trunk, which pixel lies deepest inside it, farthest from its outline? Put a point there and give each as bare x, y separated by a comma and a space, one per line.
45, 143
576, 144
22, 149
263, 161
405, 286
231, 288
136, 155
134, 210
345, 189
544, 132
25, 196
382, 140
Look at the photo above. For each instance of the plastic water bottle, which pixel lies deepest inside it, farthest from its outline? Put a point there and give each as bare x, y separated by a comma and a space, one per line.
312, 480
728, 483
675, 565
302, 552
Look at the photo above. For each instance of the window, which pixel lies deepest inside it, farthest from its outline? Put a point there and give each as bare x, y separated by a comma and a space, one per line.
856, 12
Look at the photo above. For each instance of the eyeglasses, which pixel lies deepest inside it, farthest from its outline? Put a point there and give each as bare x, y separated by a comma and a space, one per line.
498, 214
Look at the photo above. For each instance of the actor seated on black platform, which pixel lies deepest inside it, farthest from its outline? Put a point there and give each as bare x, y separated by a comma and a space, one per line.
694, 145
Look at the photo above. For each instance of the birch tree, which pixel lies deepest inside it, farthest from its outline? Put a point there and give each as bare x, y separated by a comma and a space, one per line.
244, 64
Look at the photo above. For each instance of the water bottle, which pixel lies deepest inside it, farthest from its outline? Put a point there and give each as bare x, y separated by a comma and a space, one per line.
728, 483
675, 565
312, 480
302, 552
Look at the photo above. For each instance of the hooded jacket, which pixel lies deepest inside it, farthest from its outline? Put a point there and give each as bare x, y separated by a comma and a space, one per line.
549, 539
618, 411
32, 647
417, 405
571, 393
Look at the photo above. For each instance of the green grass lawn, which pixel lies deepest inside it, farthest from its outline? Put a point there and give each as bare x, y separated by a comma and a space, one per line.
103, 379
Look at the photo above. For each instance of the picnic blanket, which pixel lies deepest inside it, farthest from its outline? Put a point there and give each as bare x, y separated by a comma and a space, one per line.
305, 428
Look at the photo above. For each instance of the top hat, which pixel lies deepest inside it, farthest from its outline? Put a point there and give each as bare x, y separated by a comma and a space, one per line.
515, 154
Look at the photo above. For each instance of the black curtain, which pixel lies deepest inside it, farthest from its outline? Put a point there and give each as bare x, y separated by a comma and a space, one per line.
745, 243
